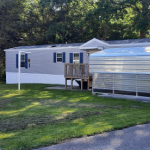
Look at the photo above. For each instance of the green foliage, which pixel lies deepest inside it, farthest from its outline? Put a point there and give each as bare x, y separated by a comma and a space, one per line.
2, 73
36, 22
10, 27
118, 10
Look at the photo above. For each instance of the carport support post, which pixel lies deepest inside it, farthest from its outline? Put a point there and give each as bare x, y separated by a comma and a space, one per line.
19, 71
136, 85
113, 83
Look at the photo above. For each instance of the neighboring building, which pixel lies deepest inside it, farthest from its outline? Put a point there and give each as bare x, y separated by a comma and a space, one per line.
45, 64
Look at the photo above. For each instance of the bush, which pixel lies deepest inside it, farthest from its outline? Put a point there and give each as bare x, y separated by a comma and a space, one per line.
2, 73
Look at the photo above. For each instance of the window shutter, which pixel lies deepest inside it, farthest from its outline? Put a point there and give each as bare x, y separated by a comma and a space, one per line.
16, 60
26, 61
54, 57
81, 58
71, 57
64, 57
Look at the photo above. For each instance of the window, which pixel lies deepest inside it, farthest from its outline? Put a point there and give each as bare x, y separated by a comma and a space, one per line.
75, 57
22, 60
59, 57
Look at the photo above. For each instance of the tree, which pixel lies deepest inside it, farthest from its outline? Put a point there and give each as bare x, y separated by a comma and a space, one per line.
10, 26
108, 9
64, 23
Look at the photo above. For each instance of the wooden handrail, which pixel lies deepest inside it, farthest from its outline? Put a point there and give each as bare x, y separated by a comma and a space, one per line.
76, 70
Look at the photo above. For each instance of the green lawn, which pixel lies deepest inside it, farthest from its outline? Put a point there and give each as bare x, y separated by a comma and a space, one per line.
35, 117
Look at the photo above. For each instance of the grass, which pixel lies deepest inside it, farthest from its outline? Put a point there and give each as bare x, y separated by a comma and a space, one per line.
36, 117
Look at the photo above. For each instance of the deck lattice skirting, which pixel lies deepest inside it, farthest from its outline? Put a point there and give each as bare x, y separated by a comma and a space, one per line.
76, 71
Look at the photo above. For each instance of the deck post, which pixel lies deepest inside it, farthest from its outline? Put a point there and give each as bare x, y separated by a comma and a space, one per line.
88, 84
71, 83
71, 70
65, 70
81, 84
65, 83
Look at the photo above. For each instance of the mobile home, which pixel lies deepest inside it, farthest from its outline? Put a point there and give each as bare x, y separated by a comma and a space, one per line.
110, 61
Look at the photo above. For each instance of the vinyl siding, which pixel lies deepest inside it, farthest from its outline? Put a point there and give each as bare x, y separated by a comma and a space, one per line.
12, 78
42, 61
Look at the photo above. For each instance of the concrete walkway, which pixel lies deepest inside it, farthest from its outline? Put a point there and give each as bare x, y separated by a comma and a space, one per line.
61, 87
133, 138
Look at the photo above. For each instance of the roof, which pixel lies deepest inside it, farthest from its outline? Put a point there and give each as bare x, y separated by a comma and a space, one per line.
129, 41
49, 46
80, 44
130, 51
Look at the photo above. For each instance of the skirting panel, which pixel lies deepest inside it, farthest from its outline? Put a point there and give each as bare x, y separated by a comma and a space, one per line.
128, 82
12, 78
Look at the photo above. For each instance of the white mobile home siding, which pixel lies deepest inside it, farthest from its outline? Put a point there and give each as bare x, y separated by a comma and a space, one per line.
42, 68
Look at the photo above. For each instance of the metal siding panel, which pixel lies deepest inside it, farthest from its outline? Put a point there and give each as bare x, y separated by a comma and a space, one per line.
134, 64
42, 61
124, 74
12, 78
11, 61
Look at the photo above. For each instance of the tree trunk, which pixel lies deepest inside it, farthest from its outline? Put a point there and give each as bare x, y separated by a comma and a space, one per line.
142, 34
105, 28
144, 12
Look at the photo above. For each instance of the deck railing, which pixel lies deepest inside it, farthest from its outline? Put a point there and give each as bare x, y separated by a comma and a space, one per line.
76, 70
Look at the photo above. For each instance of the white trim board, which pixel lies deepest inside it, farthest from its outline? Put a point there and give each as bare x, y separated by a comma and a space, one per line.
12, 78
94, 39
103, 45
35, 49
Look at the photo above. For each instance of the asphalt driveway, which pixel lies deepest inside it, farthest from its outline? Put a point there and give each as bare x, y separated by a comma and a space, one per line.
133, 138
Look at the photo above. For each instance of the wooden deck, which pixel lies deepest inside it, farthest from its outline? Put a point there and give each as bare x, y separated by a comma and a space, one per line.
76, 71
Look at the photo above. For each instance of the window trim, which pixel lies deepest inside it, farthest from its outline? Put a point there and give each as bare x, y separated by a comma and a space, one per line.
59, 57
76, 53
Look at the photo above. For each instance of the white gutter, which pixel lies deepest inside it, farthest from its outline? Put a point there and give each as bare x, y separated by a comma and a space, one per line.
102, 47
98, 47
128, 45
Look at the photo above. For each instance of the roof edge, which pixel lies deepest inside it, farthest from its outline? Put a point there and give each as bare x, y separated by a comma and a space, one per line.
11, 49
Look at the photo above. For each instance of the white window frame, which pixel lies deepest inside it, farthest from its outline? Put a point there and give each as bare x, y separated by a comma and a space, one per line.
59, 57
74, 61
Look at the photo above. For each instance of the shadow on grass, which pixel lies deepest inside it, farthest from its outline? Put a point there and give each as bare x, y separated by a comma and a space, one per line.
37, 117
38, 136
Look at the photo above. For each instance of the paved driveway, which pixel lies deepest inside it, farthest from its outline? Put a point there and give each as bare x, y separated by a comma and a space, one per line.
133, 138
